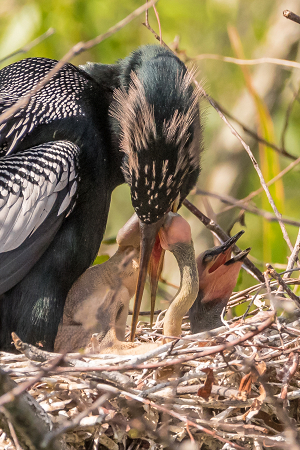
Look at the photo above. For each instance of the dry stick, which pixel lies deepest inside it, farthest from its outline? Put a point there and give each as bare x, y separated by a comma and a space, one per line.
247, 62
287, 118
291, 431
252, 209
22, 387
259, 190
249, 152
294, 256
30, 45
199, 354
215, 228
159, 26
257, 137
30, 422
188, 422
116, 391
158, 22
75, 50
292, 16
277, 277
71, 424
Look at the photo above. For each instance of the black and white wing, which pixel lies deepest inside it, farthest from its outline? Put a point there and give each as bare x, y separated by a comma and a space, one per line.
58, 99
37, 191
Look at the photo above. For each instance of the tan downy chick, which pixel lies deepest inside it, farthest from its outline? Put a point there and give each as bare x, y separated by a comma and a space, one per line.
99, 300
218, 274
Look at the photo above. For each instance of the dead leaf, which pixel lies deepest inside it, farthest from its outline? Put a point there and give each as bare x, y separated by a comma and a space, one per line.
205, 391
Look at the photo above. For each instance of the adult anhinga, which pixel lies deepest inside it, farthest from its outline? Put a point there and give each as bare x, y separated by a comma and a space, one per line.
61, 157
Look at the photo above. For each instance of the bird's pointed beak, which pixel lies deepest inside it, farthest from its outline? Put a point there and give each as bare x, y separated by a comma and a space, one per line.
148, 238
156, 265
155, 269
218, 271
221, 255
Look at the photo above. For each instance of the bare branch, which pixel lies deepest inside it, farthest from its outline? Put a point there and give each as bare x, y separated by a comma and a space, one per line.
218, 231
247, 62
292, 16
240, 204
30, 45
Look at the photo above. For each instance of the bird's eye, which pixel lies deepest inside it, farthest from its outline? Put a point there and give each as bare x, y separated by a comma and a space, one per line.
207, 258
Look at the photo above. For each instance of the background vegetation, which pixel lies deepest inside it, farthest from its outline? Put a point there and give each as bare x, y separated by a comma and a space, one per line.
260, 96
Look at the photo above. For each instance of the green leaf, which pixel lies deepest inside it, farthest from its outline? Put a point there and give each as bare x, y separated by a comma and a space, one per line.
100, 259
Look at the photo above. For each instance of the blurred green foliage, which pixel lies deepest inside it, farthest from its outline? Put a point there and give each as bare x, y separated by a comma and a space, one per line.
202, 27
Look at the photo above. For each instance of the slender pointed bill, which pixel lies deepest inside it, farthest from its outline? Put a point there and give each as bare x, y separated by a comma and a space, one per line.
148, 237
156, 265
222, 253
155, 269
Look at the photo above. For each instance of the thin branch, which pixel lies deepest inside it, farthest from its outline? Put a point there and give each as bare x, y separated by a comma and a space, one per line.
291, 16
253, 194
294, 256
247, 62
277, 277
75, 50
159, 26
70, 425
287, 117
218, 231
30, 45
22, 387
240, 204
257, 137
202, 352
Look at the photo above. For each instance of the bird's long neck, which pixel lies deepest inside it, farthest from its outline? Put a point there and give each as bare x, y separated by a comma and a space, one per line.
205, 316
188, 290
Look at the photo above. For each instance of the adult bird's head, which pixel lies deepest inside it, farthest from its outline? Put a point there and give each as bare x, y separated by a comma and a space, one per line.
156, 119
218, 274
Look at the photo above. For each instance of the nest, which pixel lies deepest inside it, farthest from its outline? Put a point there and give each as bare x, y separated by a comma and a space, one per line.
234, 387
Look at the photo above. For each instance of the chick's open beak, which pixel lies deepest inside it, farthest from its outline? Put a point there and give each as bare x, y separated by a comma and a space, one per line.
217, 256
148, 238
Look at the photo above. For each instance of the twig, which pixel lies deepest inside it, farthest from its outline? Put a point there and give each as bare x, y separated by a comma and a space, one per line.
30, 422
247, 62
257, 137
30, 45
22, 387
75, 50
70, 425
200, 353
294, 256
287, 117
253, 194
254, 162
240, 204
292, 16
290, 429
218, 231
159, 26
277, 277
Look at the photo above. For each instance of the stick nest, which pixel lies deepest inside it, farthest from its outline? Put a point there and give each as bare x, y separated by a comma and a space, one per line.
234, 387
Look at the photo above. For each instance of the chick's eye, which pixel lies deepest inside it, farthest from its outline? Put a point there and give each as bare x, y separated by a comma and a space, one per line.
207, 258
